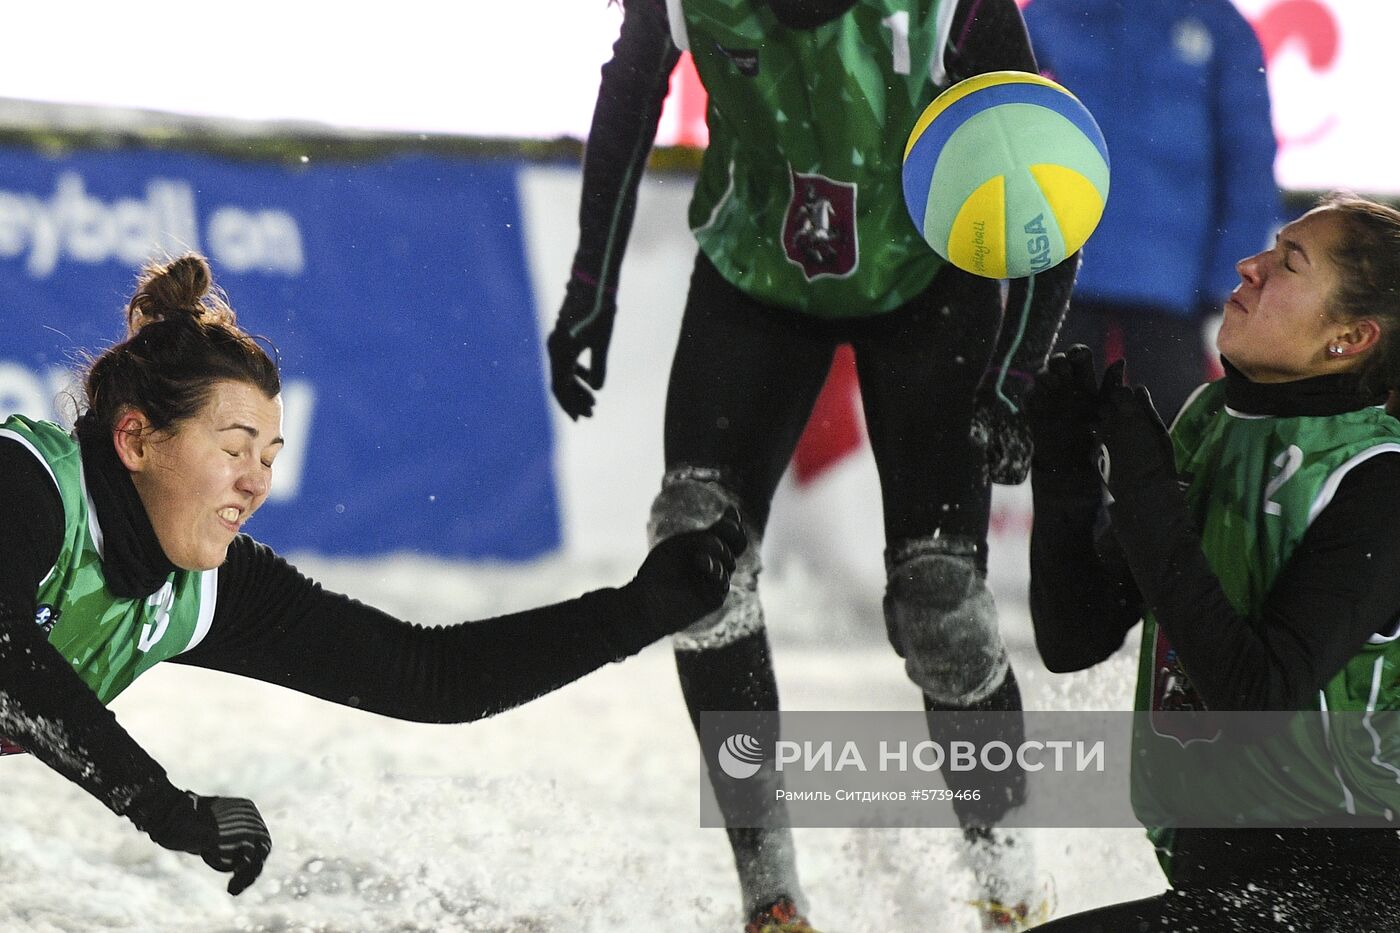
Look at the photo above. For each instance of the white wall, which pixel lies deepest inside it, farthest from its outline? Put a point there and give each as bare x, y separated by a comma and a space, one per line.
486, 69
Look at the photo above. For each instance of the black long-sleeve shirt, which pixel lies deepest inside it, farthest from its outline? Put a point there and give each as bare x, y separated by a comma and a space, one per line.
1340, 586
270, 623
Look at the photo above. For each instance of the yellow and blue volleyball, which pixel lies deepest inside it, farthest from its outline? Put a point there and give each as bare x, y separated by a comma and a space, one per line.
1006, 174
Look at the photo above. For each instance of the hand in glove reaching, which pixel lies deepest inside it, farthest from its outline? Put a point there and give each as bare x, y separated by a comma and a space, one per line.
1061, 409
686, 577
227, 832
1138, 453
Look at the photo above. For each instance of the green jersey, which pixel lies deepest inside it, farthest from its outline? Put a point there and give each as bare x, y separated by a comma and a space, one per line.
800, 201
1254, 485
109, 640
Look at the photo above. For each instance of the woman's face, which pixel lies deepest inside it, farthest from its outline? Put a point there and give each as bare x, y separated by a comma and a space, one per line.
201, 481
1276, 327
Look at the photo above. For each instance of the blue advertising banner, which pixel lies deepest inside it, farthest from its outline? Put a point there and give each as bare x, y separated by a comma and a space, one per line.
396, 292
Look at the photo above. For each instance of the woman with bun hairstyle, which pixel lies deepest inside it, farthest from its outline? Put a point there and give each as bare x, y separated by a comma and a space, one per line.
1256, 542
122, 545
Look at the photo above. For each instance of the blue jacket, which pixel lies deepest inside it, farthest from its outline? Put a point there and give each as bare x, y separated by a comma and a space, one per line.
1178, 88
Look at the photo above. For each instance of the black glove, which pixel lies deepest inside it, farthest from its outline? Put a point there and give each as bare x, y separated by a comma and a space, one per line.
1061, 408
227, 832
585, 323
1138, 455
686, 577
999, 428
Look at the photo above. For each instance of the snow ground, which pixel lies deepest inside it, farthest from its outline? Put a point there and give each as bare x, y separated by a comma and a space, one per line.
576, 813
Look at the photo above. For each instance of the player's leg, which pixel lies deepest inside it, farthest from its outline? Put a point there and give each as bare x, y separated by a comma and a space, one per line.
919, 369
742, 383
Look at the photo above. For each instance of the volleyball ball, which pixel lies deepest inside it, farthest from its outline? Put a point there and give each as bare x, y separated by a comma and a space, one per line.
1006, 174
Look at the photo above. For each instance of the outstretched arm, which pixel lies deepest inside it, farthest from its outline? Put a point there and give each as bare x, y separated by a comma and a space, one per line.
276, 625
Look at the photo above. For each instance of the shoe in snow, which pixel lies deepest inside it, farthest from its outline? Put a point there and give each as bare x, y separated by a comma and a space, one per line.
779, 917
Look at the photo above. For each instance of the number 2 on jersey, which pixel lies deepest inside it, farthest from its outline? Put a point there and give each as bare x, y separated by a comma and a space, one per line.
1288, 462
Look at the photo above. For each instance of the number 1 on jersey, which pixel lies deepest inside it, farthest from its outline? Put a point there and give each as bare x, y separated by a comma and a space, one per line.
898, 24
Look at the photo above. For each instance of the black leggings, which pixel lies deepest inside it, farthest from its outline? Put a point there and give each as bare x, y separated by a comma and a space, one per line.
745, 378
743, 383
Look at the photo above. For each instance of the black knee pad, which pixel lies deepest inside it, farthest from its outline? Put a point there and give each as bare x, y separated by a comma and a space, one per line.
942, 620
692, 498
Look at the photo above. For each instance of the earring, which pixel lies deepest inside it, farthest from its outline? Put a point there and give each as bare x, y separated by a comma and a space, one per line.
1335, 350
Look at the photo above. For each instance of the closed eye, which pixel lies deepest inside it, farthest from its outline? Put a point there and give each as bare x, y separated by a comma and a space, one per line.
1290, 247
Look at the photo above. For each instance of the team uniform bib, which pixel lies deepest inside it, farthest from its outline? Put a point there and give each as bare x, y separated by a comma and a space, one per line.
1254, 485
107, 639
799, 201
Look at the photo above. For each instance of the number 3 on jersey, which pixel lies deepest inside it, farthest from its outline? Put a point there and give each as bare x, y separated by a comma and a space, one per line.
163, 600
